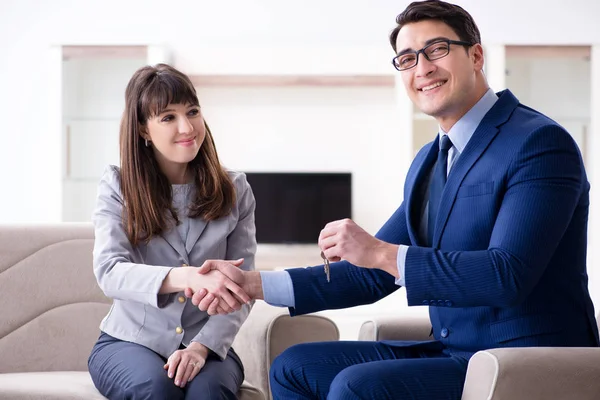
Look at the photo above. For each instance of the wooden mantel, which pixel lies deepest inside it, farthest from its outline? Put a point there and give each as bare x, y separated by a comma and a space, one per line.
292, 80
105, 52
548, 51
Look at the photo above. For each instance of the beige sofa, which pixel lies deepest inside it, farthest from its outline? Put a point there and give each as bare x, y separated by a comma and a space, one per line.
51, 308
510, 373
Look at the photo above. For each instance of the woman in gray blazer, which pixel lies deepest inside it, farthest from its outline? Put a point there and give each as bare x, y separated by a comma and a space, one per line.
168, 209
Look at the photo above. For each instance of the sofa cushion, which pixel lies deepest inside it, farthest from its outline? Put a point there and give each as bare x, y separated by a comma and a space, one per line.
70, 385
48, 385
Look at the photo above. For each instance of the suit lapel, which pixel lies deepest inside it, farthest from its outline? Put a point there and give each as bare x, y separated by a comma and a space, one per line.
481, 139
415, 185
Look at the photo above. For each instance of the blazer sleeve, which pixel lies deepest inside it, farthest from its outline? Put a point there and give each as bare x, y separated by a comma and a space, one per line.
219, 331
117, 276
544, 184
350, 285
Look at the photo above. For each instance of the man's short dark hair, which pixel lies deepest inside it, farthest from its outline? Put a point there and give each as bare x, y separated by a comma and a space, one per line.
452, 15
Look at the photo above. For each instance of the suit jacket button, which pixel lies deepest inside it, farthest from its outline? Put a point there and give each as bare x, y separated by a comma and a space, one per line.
444, 332
449, 303
425, 303
179, 330
184, 265
181, 299
441, 303
432, 302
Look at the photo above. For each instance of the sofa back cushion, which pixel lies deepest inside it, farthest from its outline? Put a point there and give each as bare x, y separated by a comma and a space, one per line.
51, 305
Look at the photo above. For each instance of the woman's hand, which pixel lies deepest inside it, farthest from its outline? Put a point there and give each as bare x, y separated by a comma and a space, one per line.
184, 365
228, 293
249, 281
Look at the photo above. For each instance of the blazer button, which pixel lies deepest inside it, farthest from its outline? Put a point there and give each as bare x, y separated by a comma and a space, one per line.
444, 332
179, 330
441, 303
181, 299
184, 265
432, 302
449, 303
425, 302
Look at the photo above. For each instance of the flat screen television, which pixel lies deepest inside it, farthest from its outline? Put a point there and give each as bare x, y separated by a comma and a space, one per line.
292, 208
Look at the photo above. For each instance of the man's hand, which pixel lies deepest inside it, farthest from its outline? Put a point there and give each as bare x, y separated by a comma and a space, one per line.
249, 281
227, 294
345, 240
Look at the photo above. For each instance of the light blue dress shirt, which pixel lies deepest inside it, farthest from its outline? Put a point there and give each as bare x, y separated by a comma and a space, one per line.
277, 286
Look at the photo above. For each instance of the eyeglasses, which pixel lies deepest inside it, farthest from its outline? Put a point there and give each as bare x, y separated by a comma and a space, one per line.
433, 51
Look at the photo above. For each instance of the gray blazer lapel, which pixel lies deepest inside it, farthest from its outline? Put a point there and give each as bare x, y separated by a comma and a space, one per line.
197, 226
174, 239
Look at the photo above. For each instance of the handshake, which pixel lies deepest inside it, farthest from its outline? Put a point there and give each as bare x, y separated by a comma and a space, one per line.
221, 287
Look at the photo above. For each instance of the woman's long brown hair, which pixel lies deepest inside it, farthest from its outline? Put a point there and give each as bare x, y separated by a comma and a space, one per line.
146, 191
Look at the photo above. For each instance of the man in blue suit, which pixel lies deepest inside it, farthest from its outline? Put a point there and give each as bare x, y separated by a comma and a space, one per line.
492, 236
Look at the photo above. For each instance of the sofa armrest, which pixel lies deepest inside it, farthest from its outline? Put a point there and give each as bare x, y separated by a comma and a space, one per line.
396, 328
268, 331
534, 374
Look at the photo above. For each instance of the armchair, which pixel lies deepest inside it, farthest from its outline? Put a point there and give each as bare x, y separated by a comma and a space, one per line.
536, 373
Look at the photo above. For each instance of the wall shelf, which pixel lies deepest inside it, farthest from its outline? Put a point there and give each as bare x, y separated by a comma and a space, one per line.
293, 80
549, 51
104, 52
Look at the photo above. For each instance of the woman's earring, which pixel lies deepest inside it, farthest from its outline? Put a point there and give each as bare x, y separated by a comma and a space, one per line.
146, 140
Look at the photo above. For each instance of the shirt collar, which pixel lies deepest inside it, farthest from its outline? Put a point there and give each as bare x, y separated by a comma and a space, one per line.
464, 128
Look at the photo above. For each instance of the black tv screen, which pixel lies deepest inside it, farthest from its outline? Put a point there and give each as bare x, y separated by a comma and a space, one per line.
294, 207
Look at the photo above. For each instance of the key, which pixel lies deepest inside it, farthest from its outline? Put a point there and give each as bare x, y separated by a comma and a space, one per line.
326, 266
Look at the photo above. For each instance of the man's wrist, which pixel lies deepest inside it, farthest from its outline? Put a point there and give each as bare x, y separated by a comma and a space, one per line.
387, 258
253, 285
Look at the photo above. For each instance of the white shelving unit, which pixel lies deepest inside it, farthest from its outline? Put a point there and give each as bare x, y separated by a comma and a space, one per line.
94, 79
555, 80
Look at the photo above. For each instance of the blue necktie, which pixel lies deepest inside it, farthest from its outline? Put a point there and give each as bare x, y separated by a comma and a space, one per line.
436, 185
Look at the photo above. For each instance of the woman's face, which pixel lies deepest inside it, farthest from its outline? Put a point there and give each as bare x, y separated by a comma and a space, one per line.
176, 135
